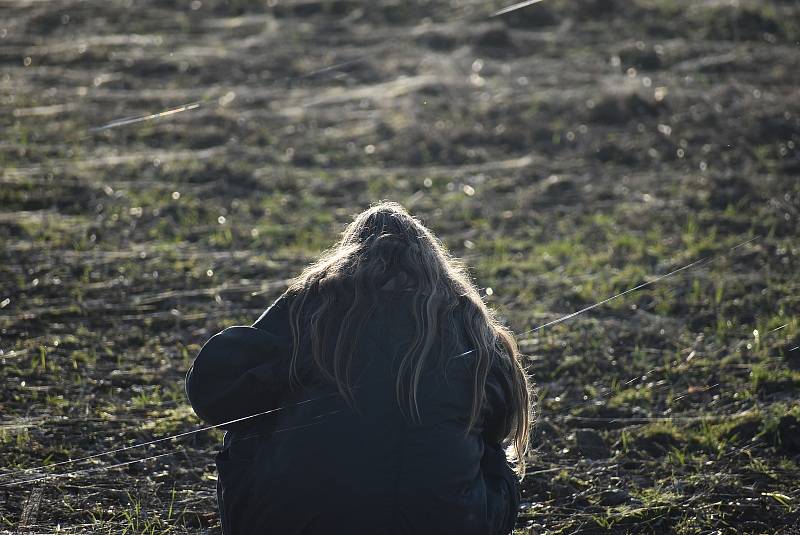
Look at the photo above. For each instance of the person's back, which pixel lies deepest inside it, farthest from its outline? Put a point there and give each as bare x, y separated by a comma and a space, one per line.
339, 451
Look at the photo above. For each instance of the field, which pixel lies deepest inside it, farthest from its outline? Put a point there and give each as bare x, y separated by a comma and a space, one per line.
568, 151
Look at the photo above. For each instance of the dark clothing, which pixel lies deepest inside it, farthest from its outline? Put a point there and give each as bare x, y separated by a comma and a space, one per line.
316, 465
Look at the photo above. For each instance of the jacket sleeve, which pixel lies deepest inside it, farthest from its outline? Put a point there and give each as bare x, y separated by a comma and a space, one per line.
242, 370
498, 413
499, 474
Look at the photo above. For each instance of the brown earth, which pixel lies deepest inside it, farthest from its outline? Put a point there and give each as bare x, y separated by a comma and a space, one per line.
567, 151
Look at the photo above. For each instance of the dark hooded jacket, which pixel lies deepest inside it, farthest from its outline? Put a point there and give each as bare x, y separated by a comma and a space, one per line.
313, 464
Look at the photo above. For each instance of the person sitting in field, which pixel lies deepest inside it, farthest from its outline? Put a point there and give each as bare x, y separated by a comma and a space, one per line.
377, 395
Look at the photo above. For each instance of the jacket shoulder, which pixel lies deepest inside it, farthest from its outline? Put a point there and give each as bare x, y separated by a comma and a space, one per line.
242, 369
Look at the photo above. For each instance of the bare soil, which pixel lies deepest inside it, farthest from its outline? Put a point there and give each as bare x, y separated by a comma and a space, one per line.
567, 151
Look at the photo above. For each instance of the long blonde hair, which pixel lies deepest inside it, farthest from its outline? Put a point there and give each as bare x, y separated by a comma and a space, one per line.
380, 244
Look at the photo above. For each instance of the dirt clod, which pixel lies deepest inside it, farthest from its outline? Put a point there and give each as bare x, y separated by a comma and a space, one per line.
591, 444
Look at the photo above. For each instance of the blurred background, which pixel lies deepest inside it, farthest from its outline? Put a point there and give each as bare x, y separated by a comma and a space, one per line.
168, 166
